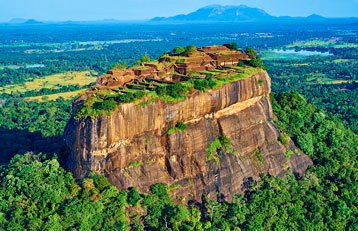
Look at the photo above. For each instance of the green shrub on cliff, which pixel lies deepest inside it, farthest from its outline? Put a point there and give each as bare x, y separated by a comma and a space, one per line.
261, 82
256, 63
204, 84
180, 126
172, 92
95, 106
214, 146
251, 52
131, 97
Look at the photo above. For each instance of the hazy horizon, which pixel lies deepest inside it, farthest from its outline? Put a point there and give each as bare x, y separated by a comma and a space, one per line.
80, 10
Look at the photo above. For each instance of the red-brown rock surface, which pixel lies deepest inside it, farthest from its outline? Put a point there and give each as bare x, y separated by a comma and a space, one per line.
240, 110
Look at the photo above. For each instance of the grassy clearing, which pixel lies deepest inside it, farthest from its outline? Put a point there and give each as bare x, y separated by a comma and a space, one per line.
52, 81
344, 60
65, 95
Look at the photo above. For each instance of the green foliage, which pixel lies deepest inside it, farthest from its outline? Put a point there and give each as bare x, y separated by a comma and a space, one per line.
145, 59
120, 66
190, 50
135, 163
179, 50
232, 46
203, 84
164, 55
37, 194
32, 126
131, 97
175, 91
289, 153
284, 139
95, 106
180, 61
241, 64
251, 52
212, 150
259, 156
214, 146
133, 196
180, 126
261, 82
256, 63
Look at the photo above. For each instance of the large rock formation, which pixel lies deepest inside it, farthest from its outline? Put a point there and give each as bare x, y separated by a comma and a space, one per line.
132, 147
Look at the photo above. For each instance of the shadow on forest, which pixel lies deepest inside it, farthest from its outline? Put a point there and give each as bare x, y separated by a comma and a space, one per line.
15, 141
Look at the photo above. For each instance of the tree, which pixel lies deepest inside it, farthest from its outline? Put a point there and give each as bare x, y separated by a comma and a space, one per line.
251, 52
145, 59
178, 50
232, 46
120, 66
189, 50
256, 63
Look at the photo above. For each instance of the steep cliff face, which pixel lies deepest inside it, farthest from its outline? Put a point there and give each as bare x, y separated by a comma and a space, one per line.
132, 147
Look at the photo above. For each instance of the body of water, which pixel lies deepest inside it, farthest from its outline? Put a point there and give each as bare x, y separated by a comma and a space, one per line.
26, 66
301, 52
35, 65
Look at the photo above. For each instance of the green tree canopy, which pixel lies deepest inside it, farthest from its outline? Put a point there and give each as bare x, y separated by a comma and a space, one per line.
178, 50
251, 52
119, 66
189, 50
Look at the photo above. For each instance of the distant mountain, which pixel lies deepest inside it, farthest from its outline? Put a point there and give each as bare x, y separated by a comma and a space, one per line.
221, 14
32, 22
17, 20
315, 17
218, 13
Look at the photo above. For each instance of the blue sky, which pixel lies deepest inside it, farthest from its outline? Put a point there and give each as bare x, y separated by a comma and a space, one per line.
61, 10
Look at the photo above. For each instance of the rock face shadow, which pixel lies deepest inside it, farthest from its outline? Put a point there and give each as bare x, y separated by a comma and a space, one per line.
17, 141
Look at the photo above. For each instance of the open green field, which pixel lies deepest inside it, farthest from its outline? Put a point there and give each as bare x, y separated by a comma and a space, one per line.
65, 95
53, 81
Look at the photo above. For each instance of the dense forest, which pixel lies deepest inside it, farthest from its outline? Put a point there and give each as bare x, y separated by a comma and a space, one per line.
32, 126
37, 194
328, 84
315, 102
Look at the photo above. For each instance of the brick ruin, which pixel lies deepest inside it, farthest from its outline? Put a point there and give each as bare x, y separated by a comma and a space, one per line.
169, 69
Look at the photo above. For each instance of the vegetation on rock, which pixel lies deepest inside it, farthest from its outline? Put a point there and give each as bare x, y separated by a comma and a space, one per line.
180, 126
215, 147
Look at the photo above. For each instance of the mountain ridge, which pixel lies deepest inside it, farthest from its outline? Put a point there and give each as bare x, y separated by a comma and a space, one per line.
230, 13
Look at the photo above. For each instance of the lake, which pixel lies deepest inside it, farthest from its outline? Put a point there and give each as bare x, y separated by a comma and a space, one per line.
26, 66
291, 54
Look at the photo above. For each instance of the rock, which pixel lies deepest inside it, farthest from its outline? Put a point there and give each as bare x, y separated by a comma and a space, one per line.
131, 147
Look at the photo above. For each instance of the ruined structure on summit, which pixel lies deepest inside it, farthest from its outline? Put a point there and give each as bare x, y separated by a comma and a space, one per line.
168, 69
205, 59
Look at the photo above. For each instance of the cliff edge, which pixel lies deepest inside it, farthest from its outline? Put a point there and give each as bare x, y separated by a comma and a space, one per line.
211, 140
